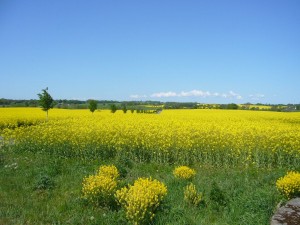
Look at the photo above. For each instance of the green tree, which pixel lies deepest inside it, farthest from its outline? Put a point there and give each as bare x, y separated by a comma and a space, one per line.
124, 108
232, 106
92, 105
113, 108
45, 101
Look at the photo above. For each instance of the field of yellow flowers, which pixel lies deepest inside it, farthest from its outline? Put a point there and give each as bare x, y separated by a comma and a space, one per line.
218, 137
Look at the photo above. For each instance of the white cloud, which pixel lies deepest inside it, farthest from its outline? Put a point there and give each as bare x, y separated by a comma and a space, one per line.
81, 99
138, 96
231, 94
164, 94
234, 95
256, 96
196, 93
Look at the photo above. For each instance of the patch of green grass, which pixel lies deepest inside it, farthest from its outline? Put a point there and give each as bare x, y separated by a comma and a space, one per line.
37, 188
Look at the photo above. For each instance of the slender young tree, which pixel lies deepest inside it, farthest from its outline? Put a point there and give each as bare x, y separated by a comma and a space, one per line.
45, 101
92, 105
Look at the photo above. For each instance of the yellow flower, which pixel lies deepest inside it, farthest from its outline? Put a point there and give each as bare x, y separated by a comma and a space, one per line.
184, 172
100, 188
110, 171
141, 199
218, 137
289, 185
191, 195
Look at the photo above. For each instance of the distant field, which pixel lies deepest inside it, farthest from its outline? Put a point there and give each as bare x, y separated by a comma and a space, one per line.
222, 138
260, 107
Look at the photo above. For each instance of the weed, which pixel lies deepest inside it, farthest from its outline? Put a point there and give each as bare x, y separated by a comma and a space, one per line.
44, 182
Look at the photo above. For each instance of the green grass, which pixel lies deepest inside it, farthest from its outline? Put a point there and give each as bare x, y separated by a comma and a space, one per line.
37, 188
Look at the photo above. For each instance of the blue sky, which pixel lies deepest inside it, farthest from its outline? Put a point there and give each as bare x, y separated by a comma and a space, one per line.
205, 51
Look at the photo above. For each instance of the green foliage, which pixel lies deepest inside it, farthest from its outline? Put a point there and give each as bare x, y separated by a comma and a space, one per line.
124, 108
124, 164
217, 196
122, 170
2, 158
92, 105
43, 182
45, 100
113, 108
232, 106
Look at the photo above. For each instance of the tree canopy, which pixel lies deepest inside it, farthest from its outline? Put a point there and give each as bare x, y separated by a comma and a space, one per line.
92, 105
45, 101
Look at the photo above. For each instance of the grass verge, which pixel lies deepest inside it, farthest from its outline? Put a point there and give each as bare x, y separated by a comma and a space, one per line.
37, 188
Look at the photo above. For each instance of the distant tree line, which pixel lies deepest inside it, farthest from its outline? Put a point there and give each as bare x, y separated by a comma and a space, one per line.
180, 105
135, 108
18, 103
149, 106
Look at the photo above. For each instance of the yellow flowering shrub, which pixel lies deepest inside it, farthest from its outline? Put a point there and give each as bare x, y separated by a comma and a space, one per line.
289, 185
100, 188
184, 172
191, 196
141, 199
110, 171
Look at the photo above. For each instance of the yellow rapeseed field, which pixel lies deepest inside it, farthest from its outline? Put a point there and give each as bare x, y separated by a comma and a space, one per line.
219, 137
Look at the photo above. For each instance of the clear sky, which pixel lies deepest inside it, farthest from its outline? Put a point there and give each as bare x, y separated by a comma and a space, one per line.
212, 51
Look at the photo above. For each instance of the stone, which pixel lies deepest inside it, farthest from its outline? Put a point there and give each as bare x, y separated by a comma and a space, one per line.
289, 214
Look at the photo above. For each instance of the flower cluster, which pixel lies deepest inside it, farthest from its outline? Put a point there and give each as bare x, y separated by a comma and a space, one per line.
141, 199
289, 185
191, 196
100, 188
109, 171
184, 172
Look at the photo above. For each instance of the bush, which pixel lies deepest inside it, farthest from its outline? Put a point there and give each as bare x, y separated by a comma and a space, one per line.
191, 196
109, 171
141, 200
184, 172
289, 185
99, 189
